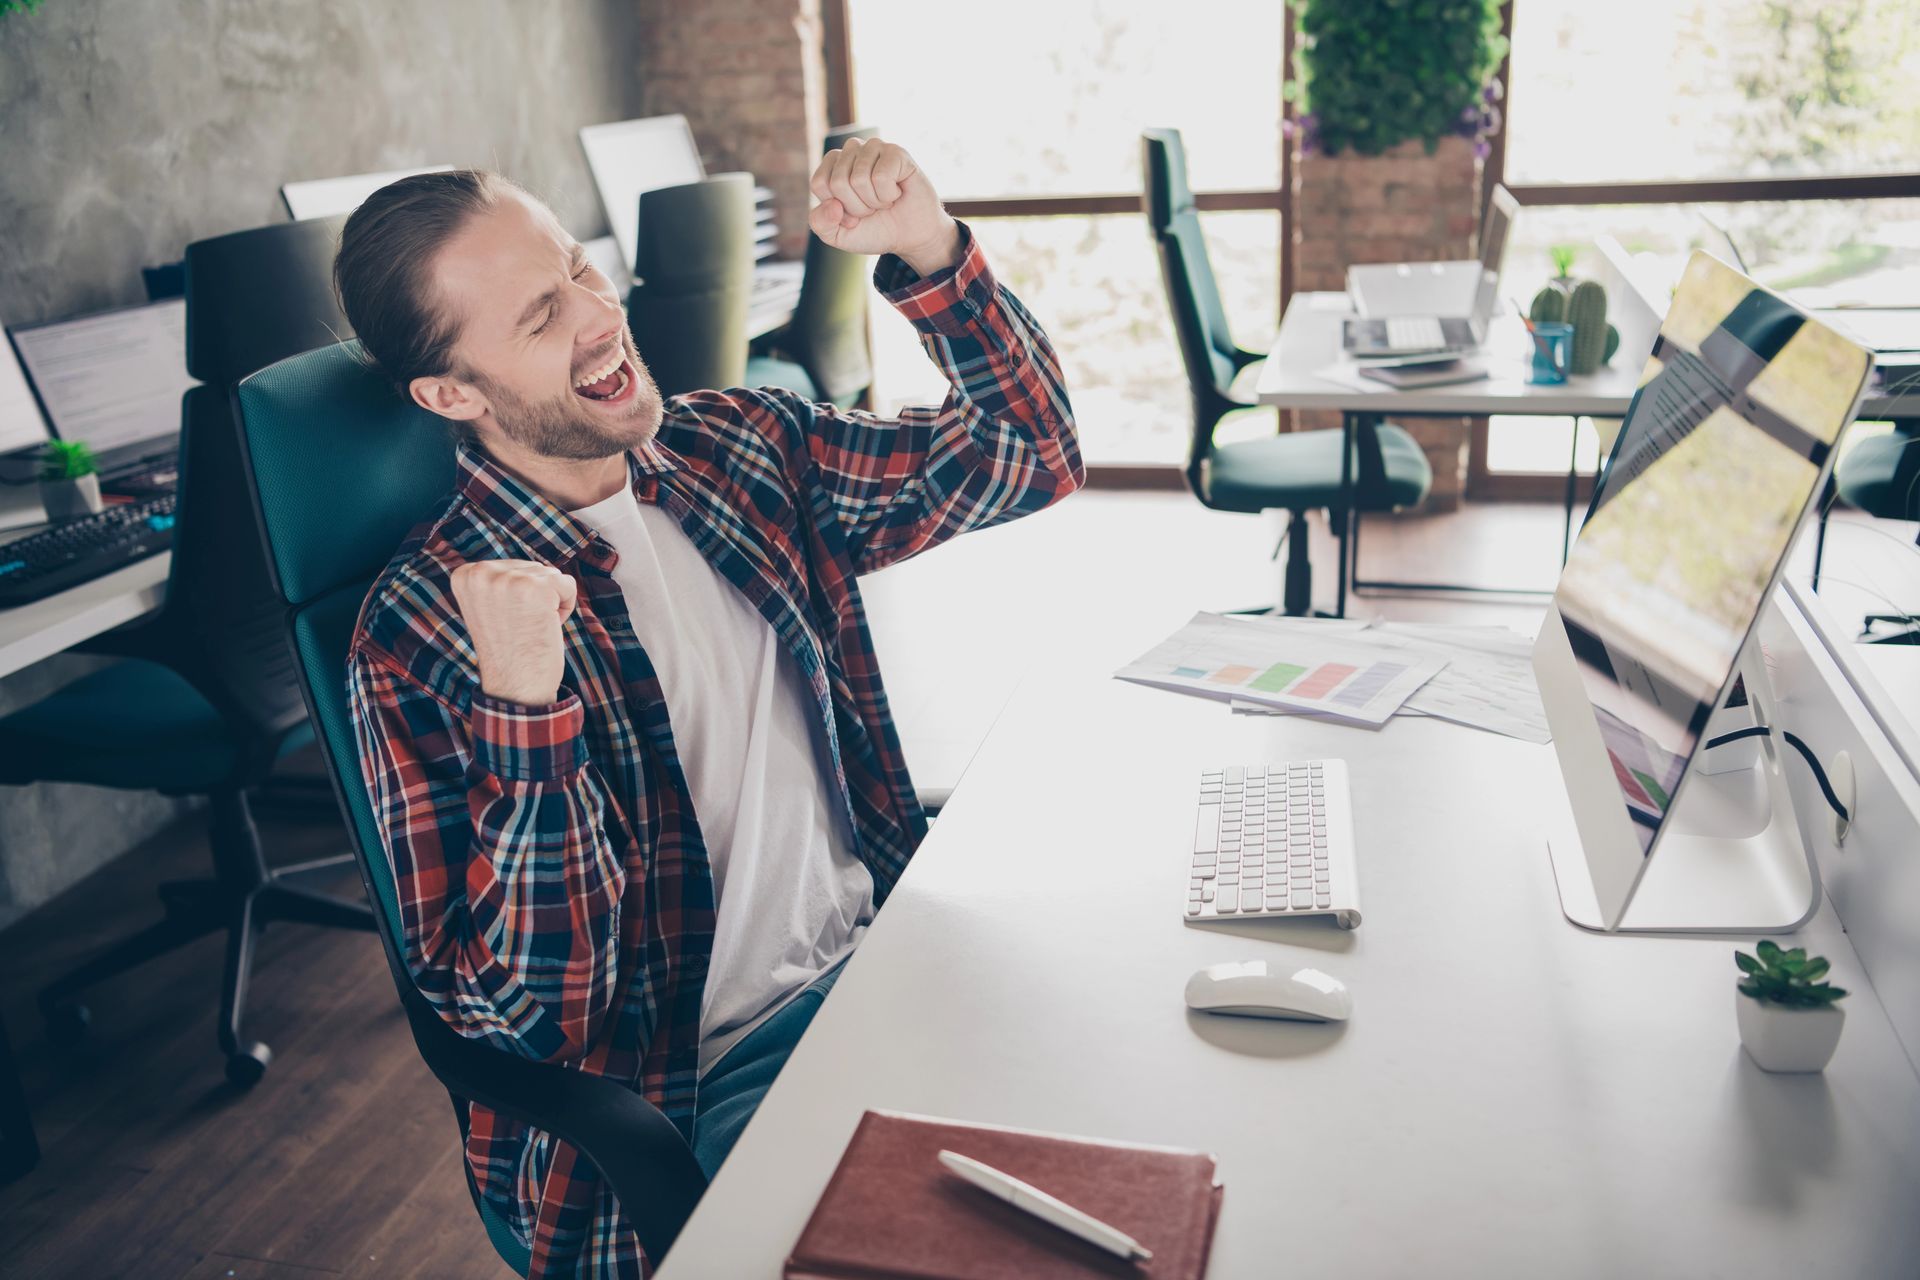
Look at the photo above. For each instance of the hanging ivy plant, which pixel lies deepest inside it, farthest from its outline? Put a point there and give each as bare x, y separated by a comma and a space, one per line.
1371, 74
17, 6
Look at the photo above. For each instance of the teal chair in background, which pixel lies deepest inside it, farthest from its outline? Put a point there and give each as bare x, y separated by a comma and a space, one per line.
1880, 476
822, 352
1382, 468
341, 470
693, 283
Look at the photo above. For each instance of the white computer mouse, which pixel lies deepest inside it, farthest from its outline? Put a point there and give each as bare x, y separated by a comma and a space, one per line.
1255, 989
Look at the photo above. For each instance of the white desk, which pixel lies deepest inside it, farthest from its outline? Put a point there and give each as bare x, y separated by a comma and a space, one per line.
1309, 341
1513, 1097
30, 632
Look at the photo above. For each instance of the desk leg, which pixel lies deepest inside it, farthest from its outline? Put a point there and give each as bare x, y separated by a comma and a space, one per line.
1387, 586
19, 1148
1346, 526
1573, 482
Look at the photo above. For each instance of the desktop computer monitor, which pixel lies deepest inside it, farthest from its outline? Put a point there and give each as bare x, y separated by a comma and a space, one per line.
1724, 451
327, 197
631, 156
21, 426
113, 379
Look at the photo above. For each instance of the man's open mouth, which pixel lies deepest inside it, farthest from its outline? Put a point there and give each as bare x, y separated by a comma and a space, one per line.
611, 383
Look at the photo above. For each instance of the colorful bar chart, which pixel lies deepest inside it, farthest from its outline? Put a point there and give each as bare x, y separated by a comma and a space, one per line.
1334, 672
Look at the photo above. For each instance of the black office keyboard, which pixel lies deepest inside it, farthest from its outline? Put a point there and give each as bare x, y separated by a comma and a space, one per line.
76, 551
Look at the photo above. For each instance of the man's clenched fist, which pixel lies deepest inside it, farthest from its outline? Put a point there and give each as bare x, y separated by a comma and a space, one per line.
513, 610
874, 199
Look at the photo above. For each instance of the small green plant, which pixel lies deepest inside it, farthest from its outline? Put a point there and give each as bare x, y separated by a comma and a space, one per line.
1563, 256
1786, 978
66, 460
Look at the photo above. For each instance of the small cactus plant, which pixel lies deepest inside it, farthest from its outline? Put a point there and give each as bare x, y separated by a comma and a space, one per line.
1587, 313
1613, 345
1549, 306
1562, 255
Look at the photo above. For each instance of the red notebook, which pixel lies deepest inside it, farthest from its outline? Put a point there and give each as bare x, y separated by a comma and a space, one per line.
891, 1208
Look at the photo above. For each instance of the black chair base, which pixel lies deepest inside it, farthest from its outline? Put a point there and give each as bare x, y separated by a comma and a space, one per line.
244, 897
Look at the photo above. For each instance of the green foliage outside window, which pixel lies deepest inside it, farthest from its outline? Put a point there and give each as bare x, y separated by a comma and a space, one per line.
1371, 74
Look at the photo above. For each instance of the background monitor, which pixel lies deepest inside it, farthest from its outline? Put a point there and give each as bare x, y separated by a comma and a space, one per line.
21, 425
114, 378
631, 156
325, 197
1720, 458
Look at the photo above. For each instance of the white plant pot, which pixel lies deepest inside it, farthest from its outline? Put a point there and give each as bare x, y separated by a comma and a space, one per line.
70, 499
1783, 1039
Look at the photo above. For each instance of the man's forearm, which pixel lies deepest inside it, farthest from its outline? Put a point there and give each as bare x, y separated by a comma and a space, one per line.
942, 253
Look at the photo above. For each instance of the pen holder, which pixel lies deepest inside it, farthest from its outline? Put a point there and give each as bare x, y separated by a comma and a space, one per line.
1552, 342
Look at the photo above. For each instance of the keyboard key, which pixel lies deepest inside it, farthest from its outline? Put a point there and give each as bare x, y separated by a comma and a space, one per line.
1302, 901
1322, 901
1206, 894
1207, 829
1250, 900
1225, 905
1193, 908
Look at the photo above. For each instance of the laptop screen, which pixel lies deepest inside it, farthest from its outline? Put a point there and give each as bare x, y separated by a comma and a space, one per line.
21, 425
114, 378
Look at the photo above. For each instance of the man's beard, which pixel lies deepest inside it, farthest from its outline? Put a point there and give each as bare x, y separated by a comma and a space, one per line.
563, 426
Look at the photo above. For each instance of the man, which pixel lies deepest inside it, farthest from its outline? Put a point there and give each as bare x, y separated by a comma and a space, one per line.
617, 707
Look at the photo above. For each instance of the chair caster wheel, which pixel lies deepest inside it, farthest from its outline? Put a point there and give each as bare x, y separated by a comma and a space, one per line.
247, 1064
67, 1022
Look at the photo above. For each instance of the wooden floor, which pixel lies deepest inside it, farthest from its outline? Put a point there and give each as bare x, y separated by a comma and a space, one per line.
344, 1159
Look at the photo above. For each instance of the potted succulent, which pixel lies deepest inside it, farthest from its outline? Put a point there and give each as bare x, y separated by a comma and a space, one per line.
1788, 1017
69, 480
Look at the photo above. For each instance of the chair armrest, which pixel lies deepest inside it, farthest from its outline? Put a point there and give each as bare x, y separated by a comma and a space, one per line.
1242, 358
640, 1153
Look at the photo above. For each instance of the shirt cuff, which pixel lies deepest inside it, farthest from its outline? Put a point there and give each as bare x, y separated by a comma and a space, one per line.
517, 743
947, 302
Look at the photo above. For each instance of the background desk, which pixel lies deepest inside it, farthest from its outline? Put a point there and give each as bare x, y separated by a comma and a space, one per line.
1513, 1097
1309, 341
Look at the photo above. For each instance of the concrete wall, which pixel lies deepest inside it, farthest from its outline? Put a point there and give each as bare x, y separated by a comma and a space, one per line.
128, 128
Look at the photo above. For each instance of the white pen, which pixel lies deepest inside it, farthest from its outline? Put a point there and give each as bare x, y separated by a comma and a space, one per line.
1047, 1208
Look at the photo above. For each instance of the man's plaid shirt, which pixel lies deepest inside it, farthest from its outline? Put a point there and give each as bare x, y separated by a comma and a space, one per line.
554, 888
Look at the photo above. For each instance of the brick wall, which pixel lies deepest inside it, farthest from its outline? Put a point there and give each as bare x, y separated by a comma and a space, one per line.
749, 77
1402, 206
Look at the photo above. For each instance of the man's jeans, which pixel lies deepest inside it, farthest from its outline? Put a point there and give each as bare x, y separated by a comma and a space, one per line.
731, 1090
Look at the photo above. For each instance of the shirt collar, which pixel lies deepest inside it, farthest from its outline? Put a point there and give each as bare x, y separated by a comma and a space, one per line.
548, 532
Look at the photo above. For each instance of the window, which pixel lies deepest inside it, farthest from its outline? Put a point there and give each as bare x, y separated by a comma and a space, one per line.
1659, 90
1066, 89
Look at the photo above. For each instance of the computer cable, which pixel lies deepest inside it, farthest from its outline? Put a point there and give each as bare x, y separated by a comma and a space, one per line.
1806, 753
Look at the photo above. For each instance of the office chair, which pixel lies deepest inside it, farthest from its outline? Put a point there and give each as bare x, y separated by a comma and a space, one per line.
206, 701
822, 352
1880, 476
693, 281
342, 470
1300, 471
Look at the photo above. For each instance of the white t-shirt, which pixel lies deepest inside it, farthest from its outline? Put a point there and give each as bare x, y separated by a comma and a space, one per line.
792, 899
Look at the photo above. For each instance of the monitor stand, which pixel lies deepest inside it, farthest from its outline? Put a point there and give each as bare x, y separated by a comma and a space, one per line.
1730, 858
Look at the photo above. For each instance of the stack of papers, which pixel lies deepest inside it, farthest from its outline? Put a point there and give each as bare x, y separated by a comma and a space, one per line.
1361, 672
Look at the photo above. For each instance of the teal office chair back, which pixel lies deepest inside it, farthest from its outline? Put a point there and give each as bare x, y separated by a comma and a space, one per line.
1206, 343
342, 470
1207, 350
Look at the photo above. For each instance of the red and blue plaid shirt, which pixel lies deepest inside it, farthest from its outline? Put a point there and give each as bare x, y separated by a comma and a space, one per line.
555, 891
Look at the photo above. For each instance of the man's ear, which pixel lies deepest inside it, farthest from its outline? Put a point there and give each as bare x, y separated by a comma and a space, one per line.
449, 397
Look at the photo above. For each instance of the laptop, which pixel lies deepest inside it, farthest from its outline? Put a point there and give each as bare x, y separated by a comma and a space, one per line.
113, 379
1437, 308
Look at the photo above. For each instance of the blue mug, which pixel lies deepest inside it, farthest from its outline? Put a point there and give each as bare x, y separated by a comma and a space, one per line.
1552, 343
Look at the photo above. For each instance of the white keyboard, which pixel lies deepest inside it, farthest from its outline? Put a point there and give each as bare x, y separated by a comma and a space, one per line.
1415, 333
1274, 840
